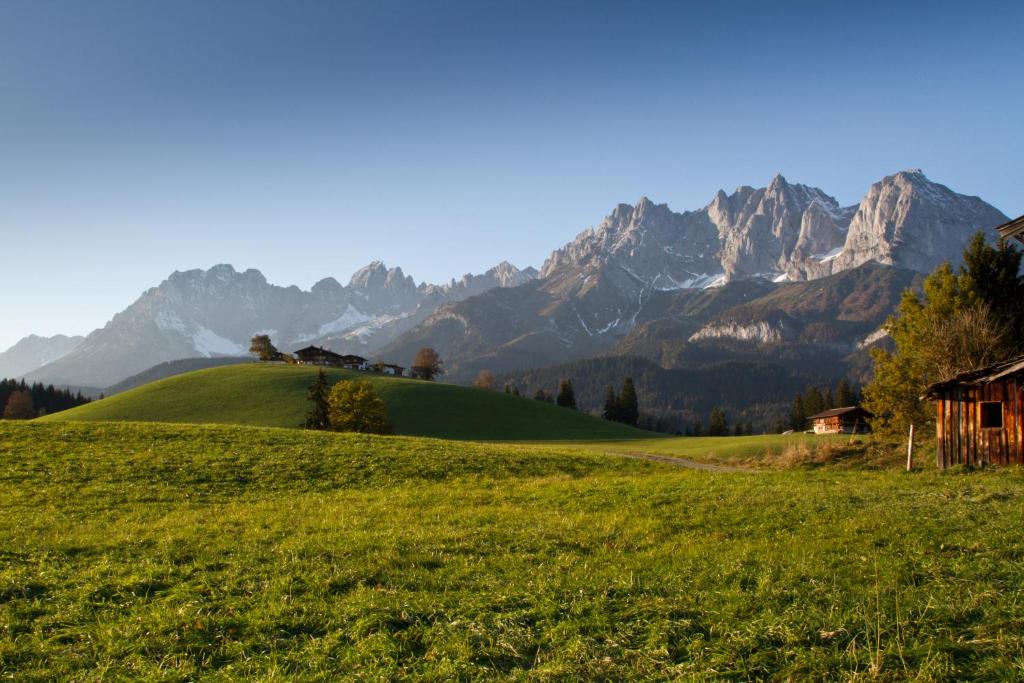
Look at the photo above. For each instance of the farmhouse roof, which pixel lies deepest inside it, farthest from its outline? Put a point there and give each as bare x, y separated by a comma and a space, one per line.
835, 412
1014, 228
979, 377
318, 350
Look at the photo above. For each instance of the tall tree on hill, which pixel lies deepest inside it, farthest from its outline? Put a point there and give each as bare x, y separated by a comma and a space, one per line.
611, 405
484, 380
566, 395
961, 321
718, 425
19, 406
261, 347
427, 364
542, 395
355, 407
629, 410
319, 410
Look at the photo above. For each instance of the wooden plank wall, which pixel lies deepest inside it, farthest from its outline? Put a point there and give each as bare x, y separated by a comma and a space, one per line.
960, 438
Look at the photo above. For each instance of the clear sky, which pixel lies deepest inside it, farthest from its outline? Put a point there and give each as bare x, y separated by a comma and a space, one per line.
141, 137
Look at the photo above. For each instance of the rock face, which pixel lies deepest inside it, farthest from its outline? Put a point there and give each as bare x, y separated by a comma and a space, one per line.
906, 220
595, 290
215, 312
34, 351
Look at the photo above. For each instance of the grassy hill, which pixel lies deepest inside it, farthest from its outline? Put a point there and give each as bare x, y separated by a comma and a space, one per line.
275, 396
183, 552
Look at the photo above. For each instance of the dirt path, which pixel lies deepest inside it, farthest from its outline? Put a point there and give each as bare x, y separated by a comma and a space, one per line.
681, 462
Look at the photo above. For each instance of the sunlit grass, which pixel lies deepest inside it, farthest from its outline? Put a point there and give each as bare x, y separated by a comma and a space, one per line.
183, 553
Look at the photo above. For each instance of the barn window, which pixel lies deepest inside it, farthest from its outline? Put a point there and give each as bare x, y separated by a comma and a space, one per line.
991, 415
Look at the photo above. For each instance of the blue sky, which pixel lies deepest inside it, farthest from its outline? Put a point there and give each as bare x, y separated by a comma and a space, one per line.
141, 137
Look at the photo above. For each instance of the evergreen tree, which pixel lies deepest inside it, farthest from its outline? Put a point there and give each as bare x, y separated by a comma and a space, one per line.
717, 423
508, 389
991, 275
813, 401
566, 395
319, 410
846, 396
698, 428
542, 395
611, 405
798, 414
828, 401
629, 410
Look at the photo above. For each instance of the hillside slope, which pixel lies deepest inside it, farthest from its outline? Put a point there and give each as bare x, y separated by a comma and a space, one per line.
275, 396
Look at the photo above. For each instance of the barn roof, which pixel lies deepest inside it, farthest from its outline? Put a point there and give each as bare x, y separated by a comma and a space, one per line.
979, 377
1014, 228
835, 412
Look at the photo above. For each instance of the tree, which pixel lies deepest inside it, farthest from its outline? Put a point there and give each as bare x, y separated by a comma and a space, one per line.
959, 322
611, 405
427, 364
355, 407
846, 396
319, 416
629, 411
485, 380
261, 347
814, 402
566, 395
717, 423
19, 406
798, 414
542, 395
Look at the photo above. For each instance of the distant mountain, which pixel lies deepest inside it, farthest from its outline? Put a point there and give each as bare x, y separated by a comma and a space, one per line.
215, 312
34, 351
594, 293
740, 276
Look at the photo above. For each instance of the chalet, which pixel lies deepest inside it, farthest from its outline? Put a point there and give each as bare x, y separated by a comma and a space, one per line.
1012, 229
979, 416
314, 355
849, 420
350, 362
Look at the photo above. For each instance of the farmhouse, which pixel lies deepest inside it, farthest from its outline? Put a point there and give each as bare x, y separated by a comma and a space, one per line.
1012, 229
314, 355
350, 362
849, 420
980, 415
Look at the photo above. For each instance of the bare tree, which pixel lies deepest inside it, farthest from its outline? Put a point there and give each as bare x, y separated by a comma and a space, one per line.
484, 380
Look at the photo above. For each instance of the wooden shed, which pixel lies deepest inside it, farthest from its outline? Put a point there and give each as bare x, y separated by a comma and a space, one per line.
848, 420
980, 416
1012, 229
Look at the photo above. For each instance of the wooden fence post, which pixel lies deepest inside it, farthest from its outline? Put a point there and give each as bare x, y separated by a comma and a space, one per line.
910, 449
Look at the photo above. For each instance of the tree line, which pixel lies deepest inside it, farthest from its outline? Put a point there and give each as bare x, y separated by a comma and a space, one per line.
21, 401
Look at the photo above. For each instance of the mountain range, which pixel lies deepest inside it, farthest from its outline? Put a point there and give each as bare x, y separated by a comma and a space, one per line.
755, 273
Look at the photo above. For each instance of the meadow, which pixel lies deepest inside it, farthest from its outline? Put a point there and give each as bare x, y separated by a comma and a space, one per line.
181, 552
275, 396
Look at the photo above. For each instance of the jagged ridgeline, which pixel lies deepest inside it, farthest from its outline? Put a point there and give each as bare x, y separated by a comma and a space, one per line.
666, 286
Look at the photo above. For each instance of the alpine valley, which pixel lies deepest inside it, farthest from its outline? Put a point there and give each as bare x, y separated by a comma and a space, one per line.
780, 281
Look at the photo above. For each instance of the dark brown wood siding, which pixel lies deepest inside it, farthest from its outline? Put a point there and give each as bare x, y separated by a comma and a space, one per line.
961, 439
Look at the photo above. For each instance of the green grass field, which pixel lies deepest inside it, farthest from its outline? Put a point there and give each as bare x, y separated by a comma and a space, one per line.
179, 552
275, 396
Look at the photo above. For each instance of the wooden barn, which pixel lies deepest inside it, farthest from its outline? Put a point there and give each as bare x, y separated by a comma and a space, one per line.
849, 420
314, 355
980, 416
